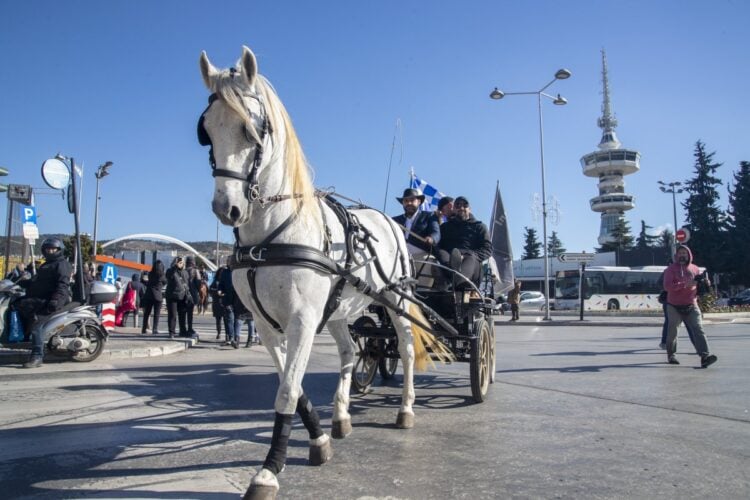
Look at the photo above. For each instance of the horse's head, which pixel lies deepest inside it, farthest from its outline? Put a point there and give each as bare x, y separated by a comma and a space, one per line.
237, 127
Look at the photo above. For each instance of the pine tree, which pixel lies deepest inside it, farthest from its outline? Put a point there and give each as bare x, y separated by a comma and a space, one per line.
555, 246
532, 246
622, 238
665, 240
706, 220
646, 240
738, 235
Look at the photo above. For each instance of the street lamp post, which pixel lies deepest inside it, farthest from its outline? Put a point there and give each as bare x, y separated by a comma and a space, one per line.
672, 187
561, 74
102, 171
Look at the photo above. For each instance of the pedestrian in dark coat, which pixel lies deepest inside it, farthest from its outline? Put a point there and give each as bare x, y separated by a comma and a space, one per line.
194, 284
153, 296
178, 297
217, 308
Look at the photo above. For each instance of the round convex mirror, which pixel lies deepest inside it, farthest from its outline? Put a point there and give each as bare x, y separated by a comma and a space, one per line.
55, 173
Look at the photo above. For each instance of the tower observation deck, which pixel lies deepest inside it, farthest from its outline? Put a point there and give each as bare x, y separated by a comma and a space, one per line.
610, 163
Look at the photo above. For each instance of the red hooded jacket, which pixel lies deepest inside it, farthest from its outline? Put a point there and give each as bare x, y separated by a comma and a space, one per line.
679, 281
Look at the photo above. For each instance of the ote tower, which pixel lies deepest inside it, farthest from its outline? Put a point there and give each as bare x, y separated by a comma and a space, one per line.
610, 164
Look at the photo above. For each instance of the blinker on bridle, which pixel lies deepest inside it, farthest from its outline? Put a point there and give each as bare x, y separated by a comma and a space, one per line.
253, 188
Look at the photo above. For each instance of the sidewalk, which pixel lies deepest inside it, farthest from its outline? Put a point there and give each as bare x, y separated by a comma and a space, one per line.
123, 343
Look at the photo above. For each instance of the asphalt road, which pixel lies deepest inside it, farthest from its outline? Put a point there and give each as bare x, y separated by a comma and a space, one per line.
576, 412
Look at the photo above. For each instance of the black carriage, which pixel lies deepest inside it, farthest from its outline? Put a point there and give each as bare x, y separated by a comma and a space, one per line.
460, 320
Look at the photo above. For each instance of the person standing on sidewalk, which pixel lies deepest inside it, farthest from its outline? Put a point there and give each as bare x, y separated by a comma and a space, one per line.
514, 299
228, 298
177, 297
194, 283
217, 308
153, 296
681, 280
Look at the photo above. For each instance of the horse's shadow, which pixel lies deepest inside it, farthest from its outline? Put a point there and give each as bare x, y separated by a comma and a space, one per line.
184, 414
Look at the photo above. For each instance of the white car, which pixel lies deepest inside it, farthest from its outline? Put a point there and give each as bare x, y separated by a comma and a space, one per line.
532, 301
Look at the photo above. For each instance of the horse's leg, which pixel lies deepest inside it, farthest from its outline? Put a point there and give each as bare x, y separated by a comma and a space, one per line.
300, 332
321, 450
341, 425
405, 418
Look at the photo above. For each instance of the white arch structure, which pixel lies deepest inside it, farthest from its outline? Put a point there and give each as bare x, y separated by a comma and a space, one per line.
161, 237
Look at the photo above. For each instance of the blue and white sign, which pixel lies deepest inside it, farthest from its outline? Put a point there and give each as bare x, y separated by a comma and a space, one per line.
28, 214
109, 273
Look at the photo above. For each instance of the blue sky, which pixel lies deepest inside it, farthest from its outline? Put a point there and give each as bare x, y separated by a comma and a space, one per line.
119, 81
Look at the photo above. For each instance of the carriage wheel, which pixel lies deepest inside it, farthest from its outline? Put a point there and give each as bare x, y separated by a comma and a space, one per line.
365, 365
481, 362
388, 366
493, 357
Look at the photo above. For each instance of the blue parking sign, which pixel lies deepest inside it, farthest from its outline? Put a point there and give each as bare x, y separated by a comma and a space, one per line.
109, 273
28, 214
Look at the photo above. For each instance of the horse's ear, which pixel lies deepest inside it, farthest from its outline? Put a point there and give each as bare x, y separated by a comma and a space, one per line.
207, 70
249, 65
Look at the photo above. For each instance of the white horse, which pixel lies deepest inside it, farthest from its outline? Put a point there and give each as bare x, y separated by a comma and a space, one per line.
294, 255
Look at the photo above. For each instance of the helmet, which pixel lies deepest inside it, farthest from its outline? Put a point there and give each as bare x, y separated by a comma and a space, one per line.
52, 245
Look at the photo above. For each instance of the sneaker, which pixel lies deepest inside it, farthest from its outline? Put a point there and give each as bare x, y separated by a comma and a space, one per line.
35, 361
663, 346
672, 360
235, 344
708, 360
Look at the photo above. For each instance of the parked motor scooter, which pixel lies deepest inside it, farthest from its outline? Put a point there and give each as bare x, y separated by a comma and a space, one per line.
75, 331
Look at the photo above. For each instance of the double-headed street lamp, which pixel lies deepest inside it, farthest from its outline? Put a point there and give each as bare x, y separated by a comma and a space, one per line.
672, 187
561, 74
102, 171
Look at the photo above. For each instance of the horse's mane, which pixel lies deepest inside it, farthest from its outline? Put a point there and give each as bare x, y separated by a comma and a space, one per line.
230, 87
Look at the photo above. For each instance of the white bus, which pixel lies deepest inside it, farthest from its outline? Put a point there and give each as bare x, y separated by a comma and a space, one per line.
610, 288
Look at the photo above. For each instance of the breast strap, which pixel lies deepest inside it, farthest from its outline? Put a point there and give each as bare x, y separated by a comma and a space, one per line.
287, 254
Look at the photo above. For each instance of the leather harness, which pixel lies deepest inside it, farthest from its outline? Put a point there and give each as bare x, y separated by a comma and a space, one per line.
267, 253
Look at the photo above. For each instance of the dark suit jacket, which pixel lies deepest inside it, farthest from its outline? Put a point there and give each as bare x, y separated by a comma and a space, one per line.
426, 224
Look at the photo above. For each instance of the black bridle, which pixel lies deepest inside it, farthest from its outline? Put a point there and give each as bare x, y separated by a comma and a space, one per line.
253, 188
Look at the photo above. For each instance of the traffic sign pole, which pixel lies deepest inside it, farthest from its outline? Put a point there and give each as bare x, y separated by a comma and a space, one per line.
580, 287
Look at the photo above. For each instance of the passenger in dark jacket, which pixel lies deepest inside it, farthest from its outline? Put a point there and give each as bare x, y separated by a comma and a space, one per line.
464, 243
153, 296
46, 293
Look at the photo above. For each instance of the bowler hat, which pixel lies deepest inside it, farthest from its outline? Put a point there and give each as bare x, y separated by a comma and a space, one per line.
411, 193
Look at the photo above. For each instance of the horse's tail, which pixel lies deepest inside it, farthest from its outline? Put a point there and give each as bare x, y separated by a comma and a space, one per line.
424, 339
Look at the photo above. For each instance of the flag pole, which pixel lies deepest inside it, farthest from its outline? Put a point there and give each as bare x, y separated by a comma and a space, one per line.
390, 162
494, 207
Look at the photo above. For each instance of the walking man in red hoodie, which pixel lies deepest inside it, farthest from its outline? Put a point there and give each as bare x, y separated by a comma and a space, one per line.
681, 283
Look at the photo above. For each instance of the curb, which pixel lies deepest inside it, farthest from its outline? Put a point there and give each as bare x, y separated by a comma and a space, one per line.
168, 347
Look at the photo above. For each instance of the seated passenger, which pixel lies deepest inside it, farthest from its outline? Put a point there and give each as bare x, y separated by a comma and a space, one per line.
444, 209
464, 245
422, 231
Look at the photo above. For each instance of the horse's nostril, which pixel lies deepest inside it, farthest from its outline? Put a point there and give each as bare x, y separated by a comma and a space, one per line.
234, 213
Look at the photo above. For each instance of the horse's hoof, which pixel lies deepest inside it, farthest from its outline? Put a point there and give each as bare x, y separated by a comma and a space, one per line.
321, 453
405, 420
261, 492
341, 428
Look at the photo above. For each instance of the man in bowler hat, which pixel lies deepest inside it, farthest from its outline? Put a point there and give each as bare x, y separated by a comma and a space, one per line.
422, 228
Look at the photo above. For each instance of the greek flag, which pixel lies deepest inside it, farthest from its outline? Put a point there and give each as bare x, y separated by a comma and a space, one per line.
431, 195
